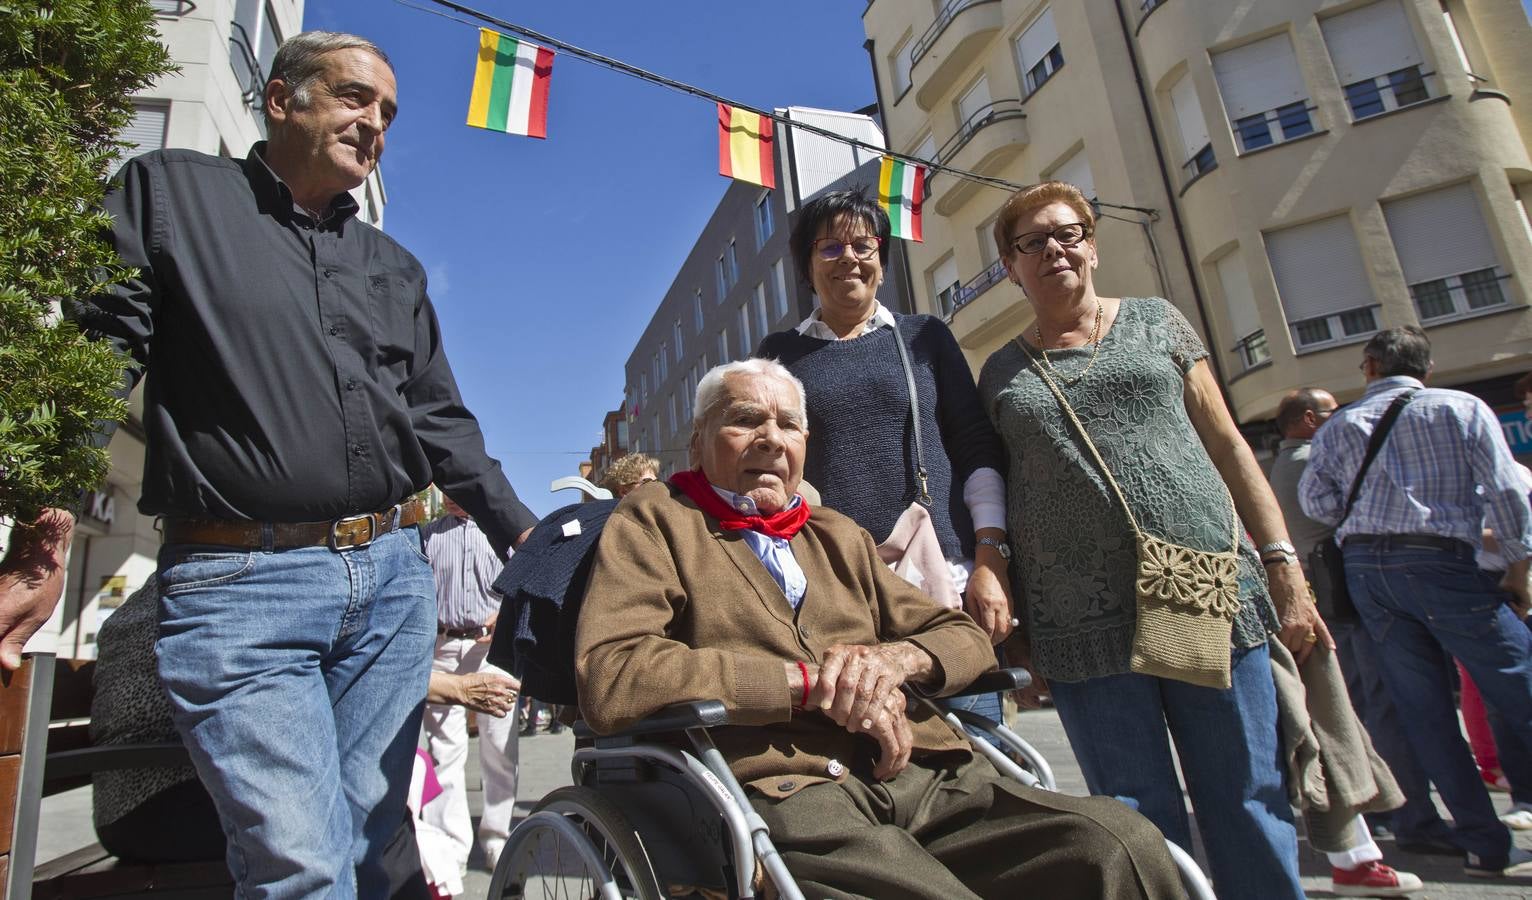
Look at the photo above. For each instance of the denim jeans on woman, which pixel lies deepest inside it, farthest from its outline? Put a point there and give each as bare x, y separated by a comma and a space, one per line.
1422, 607
1230, 752
297, 680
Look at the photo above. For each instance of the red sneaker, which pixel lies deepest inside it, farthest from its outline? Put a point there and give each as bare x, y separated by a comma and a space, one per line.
1372, 879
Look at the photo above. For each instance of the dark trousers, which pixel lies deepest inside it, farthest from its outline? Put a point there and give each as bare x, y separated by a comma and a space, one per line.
960, 830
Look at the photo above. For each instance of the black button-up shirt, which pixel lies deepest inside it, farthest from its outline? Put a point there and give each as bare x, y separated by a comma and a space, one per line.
295, 368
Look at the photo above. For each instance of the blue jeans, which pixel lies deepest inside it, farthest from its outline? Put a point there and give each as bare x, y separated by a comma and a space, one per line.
1230, 752
297, 680
1422, 607
1417, 819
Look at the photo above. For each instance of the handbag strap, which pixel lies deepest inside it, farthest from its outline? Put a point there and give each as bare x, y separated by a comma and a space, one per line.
1375, 444
1090, 445
924, 497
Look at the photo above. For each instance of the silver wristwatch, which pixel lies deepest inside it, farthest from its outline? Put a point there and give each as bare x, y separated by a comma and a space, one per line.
998, 544
1278, 551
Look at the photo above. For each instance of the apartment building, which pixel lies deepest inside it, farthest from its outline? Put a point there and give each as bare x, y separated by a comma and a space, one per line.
1294, 174
224, 49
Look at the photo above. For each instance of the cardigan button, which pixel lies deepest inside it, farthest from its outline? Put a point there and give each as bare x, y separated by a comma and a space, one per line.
803, 631
835, 768
786, 785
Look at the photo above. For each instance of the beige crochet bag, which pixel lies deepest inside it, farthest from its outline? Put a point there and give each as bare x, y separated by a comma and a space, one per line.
1187, 598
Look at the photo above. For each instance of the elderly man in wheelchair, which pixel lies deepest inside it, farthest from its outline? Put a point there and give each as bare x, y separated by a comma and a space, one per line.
723, 585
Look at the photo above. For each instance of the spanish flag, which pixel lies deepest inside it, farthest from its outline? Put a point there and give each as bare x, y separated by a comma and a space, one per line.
510, 86
745, 146
901, 192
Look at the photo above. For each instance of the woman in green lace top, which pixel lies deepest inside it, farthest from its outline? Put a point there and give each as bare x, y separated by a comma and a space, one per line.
1135, 374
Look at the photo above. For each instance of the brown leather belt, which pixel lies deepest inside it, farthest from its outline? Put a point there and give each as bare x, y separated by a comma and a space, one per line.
471, 634
345, 533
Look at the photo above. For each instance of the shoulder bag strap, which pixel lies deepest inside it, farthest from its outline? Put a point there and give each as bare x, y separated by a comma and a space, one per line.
1375, 444
924, 497
1090, 445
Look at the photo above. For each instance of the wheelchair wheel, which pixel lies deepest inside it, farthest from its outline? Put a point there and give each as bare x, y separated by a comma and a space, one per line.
576, 843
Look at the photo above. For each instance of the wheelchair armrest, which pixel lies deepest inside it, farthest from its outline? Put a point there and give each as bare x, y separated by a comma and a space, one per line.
997, 681
676, 717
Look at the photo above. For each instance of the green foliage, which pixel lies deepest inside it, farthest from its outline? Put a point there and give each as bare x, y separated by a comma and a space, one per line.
67, 68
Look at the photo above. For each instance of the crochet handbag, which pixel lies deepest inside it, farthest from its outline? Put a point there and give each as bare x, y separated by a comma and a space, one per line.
1187, 598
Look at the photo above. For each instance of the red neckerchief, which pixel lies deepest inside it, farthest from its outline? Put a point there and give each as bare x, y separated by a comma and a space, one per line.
783, 524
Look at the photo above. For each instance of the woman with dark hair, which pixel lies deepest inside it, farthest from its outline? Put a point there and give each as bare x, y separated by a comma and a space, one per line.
866, 460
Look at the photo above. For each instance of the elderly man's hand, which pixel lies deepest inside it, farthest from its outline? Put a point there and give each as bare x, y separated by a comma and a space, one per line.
856, 680
891, 729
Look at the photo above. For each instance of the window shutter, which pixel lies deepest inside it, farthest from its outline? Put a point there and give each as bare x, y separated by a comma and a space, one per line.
1037, 40
944, 275
902, 65
1318, 268
927, 149
1370, 41
1076, 171
146, 131
1259, 76
1439, 233
1194, 129
974, 100
1244, 318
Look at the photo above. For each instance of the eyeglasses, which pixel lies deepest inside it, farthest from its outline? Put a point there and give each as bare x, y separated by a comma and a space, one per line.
862, 248
1067, 236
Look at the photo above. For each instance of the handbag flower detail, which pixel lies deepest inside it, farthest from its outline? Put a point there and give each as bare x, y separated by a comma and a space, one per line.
1181, 576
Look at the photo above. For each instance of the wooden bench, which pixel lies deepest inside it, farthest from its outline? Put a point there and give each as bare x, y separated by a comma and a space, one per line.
54, 754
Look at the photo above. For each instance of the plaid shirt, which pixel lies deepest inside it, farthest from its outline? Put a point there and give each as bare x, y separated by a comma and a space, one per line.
1444, 469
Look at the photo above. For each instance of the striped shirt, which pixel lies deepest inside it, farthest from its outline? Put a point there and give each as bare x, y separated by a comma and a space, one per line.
465, 567
1444, 469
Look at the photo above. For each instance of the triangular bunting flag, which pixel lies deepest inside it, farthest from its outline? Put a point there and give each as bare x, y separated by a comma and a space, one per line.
745, 146
510, 85
901, 192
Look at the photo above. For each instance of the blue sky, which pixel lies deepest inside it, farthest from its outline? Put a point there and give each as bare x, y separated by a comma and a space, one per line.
547, 258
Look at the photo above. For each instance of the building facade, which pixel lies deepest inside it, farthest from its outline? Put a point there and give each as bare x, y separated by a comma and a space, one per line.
224, 49
1294, 174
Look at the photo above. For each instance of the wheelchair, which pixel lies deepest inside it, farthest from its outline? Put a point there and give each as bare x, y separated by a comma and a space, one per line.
646, 819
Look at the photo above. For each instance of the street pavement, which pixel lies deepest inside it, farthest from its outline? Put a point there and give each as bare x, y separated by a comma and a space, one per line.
545, 766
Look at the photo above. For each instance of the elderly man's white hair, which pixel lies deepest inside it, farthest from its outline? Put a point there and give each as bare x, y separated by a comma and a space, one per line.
713, 389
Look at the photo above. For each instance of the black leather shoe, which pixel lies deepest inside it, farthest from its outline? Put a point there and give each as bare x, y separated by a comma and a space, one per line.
1431, 846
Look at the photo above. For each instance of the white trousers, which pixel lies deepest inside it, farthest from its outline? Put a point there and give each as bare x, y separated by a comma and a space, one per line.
447, 740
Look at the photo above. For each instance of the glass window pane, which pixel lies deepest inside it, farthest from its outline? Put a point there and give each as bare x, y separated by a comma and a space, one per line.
1364, 99
1483, 289
1409, 87
1432, 299
1358, 321
1312, 331
1253, 132
1203, 160
1295, 120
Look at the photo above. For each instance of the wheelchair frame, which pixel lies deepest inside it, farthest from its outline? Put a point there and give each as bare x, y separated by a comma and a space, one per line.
748, 837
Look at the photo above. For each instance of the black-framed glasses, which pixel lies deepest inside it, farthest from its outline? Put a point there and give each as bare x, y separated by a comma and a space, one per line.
862, 248
1067, 236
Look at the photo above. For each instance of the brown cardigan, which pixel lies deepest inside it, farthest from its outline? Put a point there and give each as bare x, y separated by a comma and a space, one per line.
679, 609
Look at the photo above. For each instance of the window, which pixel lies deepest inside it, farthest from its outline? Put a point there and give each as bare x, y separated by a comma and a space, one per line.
253, 42
1376, 59
675, 334
779, 289
733, 259
721, 272
1322, 282
1244, 318
974, 102
745, 347
643, 386
1457, 40
146, 131
697, 311
654, 434
1076, 171
899, 63
986, 234
944, 286
673, 412
723, 345
1196, 149
1445, 251
1263, 92
657, 367
762, 220
926, 150
688, 388
1038, 52
758, 308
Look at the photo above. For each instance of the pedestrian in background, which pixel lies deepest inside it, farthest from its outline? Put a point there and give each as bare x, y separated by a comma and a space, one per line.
1443, 472
627, 473
299, 396
466, 566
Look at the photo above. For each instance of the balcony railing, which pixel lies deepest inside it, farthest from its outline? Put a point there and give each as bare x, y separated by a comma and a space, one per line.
960, 295
1252, 349
998, 111
1386, 93
943, 18
1459, 295
1262, 129
242, 56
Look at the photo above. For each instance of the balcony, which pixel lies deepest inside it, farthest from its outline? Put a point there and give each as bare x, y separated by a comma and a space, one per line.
940, 55
958, 296
988, 140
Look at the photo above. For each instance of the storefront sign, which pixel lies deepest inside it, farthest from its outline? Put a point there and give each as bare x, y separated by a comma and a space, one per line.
100, 506
1518, 432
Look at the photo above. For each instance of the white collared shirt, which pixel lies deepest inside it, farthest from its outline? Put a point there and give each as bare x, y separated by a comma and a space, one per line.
814, 326
776, 554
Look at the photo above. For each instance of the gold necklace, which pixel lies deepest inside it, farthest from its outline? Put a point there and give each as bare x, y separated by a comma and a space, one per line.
1095, 342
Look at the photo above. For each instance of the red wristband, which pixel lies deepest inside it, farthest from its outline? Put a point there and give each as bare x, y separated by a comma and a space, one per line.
803, 702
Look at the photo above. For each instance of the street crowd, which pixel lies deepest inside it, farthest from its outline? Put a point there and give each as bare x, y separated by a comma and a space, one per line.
860, 517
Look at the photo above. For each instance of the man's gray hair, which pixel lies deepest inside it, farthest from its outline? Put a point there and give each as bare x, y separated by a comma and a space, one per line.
300, 61
713, 389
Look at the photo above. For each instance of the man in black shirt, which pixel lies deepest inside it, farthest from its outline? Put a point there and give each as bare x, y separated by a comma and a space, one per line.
297, 396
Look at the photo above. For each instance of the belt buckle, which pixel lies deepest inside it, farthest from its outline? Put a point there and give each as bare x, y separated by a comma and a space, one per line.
372, 532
